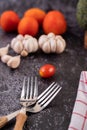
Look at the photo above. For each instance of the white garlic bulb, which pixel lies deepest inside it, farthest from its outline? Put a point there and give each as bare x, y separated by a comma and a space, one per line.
24, 45
52, 43
4, 50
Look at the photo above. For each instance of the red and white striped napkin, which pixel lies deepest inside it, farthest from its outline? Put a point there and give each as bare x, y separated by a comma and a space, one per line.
79, 114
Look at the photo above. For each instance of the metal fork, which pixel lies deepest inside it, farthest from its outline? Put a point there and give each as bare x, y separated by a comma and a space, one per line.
45, 98
28, 97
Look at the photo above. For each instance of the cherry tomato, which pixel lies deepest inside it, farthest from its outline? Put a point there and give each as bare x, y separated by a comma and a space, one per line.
47, 71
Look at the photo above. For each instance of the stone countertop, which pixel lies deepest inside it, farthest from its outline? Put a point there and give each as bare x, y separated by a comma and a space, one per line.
68, 68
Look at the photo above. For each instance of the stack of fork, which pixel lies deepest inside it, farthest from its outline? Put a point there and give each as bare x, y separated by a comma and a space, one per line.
31, 102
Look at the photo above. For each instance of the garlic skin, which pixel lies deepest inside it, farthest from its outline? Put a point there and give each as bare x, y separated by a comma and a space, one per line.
52, 43
5, 58
14, 62
4, 50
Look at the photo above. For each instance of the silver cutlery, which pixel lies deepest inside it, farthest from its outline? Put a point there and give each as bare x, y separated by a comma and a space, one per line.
28, 97
42, 101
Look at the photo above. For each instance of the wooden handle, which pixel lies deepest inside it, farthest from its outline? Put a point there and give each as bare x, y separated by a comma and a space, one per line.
85, 40
20, 120
3, 121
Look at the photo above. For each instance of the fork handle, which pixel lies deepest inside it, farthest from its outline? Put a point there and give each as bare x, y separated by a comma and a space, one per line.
3, 121
20, 120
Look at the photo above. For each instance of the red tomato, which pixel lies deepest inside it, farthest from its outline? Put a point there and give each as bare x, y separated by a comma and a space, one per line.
47, 71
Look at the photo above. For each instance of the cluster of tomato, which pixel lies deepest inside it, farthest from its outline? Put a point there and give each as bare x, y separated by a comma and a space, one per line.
52, 21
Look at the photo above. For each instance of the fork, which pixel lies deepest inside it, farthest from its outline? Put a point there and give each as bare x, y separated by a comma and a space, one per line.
43, 99
28, 97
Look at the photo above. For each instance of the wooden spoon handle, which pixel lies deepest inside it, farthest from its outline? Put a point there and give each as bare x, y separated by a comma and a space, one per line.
20, 120
3, 121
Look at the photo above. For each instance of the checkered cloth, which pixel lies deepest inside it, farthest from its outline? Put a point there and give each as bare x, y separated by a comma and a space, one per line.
79, 114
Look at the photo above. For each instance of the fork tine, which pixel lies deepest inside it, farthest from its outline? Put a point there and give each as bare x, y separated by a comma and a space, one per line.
27, 93
51, 97
23, 89
31, 87
35, 88
47, 92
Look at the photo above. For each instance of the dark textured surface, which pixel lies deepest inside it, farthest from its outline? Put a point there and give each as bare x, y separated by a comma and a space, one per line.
68, 68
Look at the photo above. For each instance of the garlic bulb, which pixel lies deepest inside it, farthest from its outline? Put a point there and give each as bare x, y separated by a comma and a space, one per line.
4, 50
52, 43
11, 61
24, 45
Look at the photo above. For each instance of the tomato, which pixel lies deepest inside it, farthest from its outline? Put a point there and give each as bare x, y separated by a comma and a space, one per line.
47, 71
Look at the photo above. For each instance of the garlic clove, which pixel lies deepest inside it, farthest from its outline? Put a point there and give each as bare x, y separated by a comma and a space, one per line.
16, 43
61, 44
5, 58
42, 40
20, 37
52, 45
14, 62
13, 41
35, 45
46, 47
28, 45
27, 37
51, 35
31, 45
4, 50
62, 39
24, 53
18, 47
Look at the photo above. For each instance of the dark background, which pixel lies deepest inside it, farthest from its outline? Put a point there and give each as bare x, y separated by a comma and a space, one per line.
68, 68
